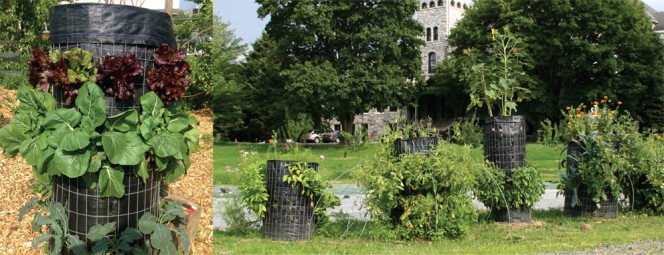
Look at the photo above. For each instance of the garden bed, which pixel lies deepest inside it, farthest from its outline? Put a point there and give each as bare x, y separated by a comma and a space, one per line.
16, 177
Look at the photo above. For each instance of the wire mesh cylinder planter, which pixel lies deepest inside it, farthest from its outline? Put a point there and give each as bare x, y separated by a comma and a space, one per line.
289, 215
415, 145
515, 215
581, 204
505, 142
85, 207
105, 29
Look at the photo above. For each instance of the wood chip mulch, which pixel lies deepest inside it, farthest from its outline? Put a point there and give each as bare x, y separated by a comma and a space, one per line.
16, 177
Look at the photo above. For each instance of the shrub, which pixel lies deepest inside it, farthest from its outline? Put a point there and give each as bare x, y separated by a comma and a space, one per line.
549, 133
498, 190
13, 81
467, 132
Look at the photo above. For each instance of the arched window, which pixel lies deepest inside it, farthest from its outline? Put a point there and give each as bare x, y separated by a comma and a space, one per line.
432, 62
435, 33
424, 5
440, 2
432, 4
428, 34
458, 4
452, 3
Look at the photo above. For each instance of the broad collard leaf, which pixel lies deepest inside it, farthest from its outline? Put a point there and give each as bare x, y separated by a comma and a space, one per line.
33, 100
99, 231
96, 162
110, 181
152, 106
44, 160
76, 245
148, 127
148, 223
165, 144
62, 118
90, 180
173, 171
24, 121
11, 137
33, 150
90, 101
162, 163
101, 247
130, 234
161, 238
178, 124
55, 138
123, 148
75, 140
141, 170
72, 164
123, 122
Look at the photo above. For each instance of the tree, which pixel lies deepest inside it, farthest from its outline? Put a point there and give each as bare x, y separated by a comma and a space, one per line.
341, 58
21, 25
582, 50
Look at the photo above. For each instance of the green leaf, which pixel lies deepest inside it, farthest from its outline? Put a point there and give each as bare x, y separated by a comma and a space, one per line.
165, 144
176, 125
173, 171
33, 100
41, 239
141, 170
123, 122
75, 140
162, 163
100, 231
62, 118
75, 244
24, 121
191, 137
161, 238
130, 234
95, 162
148, 127
123, 148
101, 247
33, 150
151, 104
11, 137
71, 164
27, 207
147, 223
58, 245
110, 181
90, 180
141, 250
55, 138
184, 240
90, 101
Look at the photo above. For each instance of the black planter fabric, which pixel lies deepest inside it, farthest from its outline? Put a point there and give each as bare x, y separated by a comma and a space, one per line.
516, 215
289, 216
505, 141
86, 208
105, 29
415, 145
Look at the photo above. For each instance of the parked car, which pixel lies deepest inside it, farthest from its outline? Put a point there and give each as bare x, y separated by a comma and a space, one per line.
314, 136
332, 136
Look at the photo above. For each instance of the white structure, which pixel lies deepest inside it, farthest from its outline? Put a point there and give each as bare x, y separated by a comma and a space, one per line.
438, 17
149, 4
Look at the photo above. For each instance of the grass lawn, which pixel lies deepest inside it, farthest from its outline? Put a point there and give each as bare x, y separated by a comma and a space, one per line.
549, 232
337, 168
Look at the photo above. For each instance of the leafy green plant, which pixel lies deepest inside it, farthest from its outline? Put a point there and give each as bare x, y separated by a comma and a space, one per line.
13, 81
83, 142
422, 196
549, 134
499, 78
467, 132
58, 222
161, 234
314, 188
519, 190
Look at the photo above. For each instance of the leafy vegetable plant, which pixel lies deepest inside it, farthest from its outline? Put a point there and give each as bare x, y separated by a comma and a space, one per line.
118, 75
519, 190
67, 70
169, 76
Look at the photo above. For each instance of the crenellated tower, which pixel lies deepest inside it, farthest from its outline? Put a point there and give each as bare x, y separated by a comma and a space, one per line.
438, 17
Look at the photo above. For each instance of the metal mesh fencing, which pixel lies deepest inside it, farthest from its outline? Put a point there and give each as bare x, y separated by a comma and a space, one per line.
415, 145
505, 142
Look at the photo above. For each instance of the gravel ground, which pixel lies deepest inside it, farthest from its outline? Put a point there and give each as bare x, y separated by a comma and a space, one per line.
16, 176
642, 247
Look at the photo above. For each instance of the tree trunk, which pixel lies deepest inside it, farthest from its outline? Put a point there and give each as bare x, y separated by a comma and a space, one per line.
346, 120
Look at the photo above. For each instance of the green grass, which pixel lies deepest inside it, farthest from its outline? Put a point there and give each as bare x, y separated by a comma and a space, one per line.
549, 232
337, 168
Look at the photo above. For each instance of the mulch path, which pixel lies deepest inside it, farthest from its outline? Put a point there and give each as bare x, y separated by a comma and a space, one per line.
16, 177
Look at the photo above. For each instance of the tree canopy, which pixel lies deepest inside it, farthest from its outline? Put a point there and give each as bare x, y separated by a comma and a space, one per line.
582, 51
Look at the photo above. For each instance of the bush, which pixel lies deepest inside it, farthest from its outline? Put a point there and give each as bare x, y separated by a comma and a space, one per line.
13, 81
467, 132
421, 196
549, 133
498, 190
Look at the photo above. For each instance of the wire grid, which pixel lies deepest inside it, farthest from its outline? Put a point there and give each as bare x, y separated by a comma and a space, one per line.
113, 105
86, 208
520, 215
505, 142
584, 205
415, 145
289, 215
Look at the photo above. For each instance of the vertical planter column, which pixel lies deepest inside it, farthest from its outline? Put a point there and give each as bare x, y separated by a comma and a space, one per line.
105, 29
580, 203
289, 215
109, 29
505, 146
415, 145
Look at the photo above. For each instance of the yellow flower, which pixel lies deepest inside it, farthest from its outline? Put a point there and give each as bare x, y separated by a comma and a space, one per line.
571, 116
595, 103
578, 109
567, 108
569, 123
584, 106
612, 112
619, 102
603, 101
606, 97
578, 115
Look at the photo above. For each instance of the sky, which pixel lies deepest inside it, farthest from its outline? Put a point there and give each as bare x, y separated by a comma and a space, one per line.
242, 16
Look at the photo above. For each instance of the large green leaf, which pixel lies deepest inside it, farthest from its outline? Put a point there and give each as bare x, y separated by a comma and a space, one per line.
99, 231
55, 138
123, 148
71, 164
162, 163
90, 180
148, 127
173, 171
165, 144
75, 140
11, 137
101, 247
95, 162
33, 150
123, 122
130, 234
184, 240
24, 121
191, 138
90, 101
151, 104
33, 100
176, 125
75, 244
161, 238
110, 181
141, 170
147, 223
44, 160
62, 119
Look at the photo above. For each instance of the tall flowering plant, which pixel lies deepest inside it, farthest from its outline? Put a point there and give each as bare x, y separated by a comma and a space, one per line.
598, 117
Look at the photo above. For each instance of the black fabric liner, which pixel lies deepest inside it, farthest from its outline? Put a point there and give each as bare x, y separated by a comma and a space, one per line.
517, 215
289, 216
415, 145
505, 142
86, 208
585, 206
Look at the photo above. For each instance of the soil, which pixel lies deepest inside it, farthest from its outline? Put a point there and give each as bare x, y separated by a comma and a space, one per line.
16, 178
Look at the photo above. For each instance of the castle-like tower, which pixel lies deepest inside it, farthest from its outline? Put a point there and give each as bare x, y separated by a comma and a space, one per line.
438, 17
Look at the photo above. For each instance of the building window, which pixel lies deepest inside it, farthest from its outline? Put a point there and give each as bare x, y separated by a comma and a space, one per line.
440, 2
424, 5
432, 4
393, 108
428, 34
432, 62
459, 4
452, 3
435, 33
